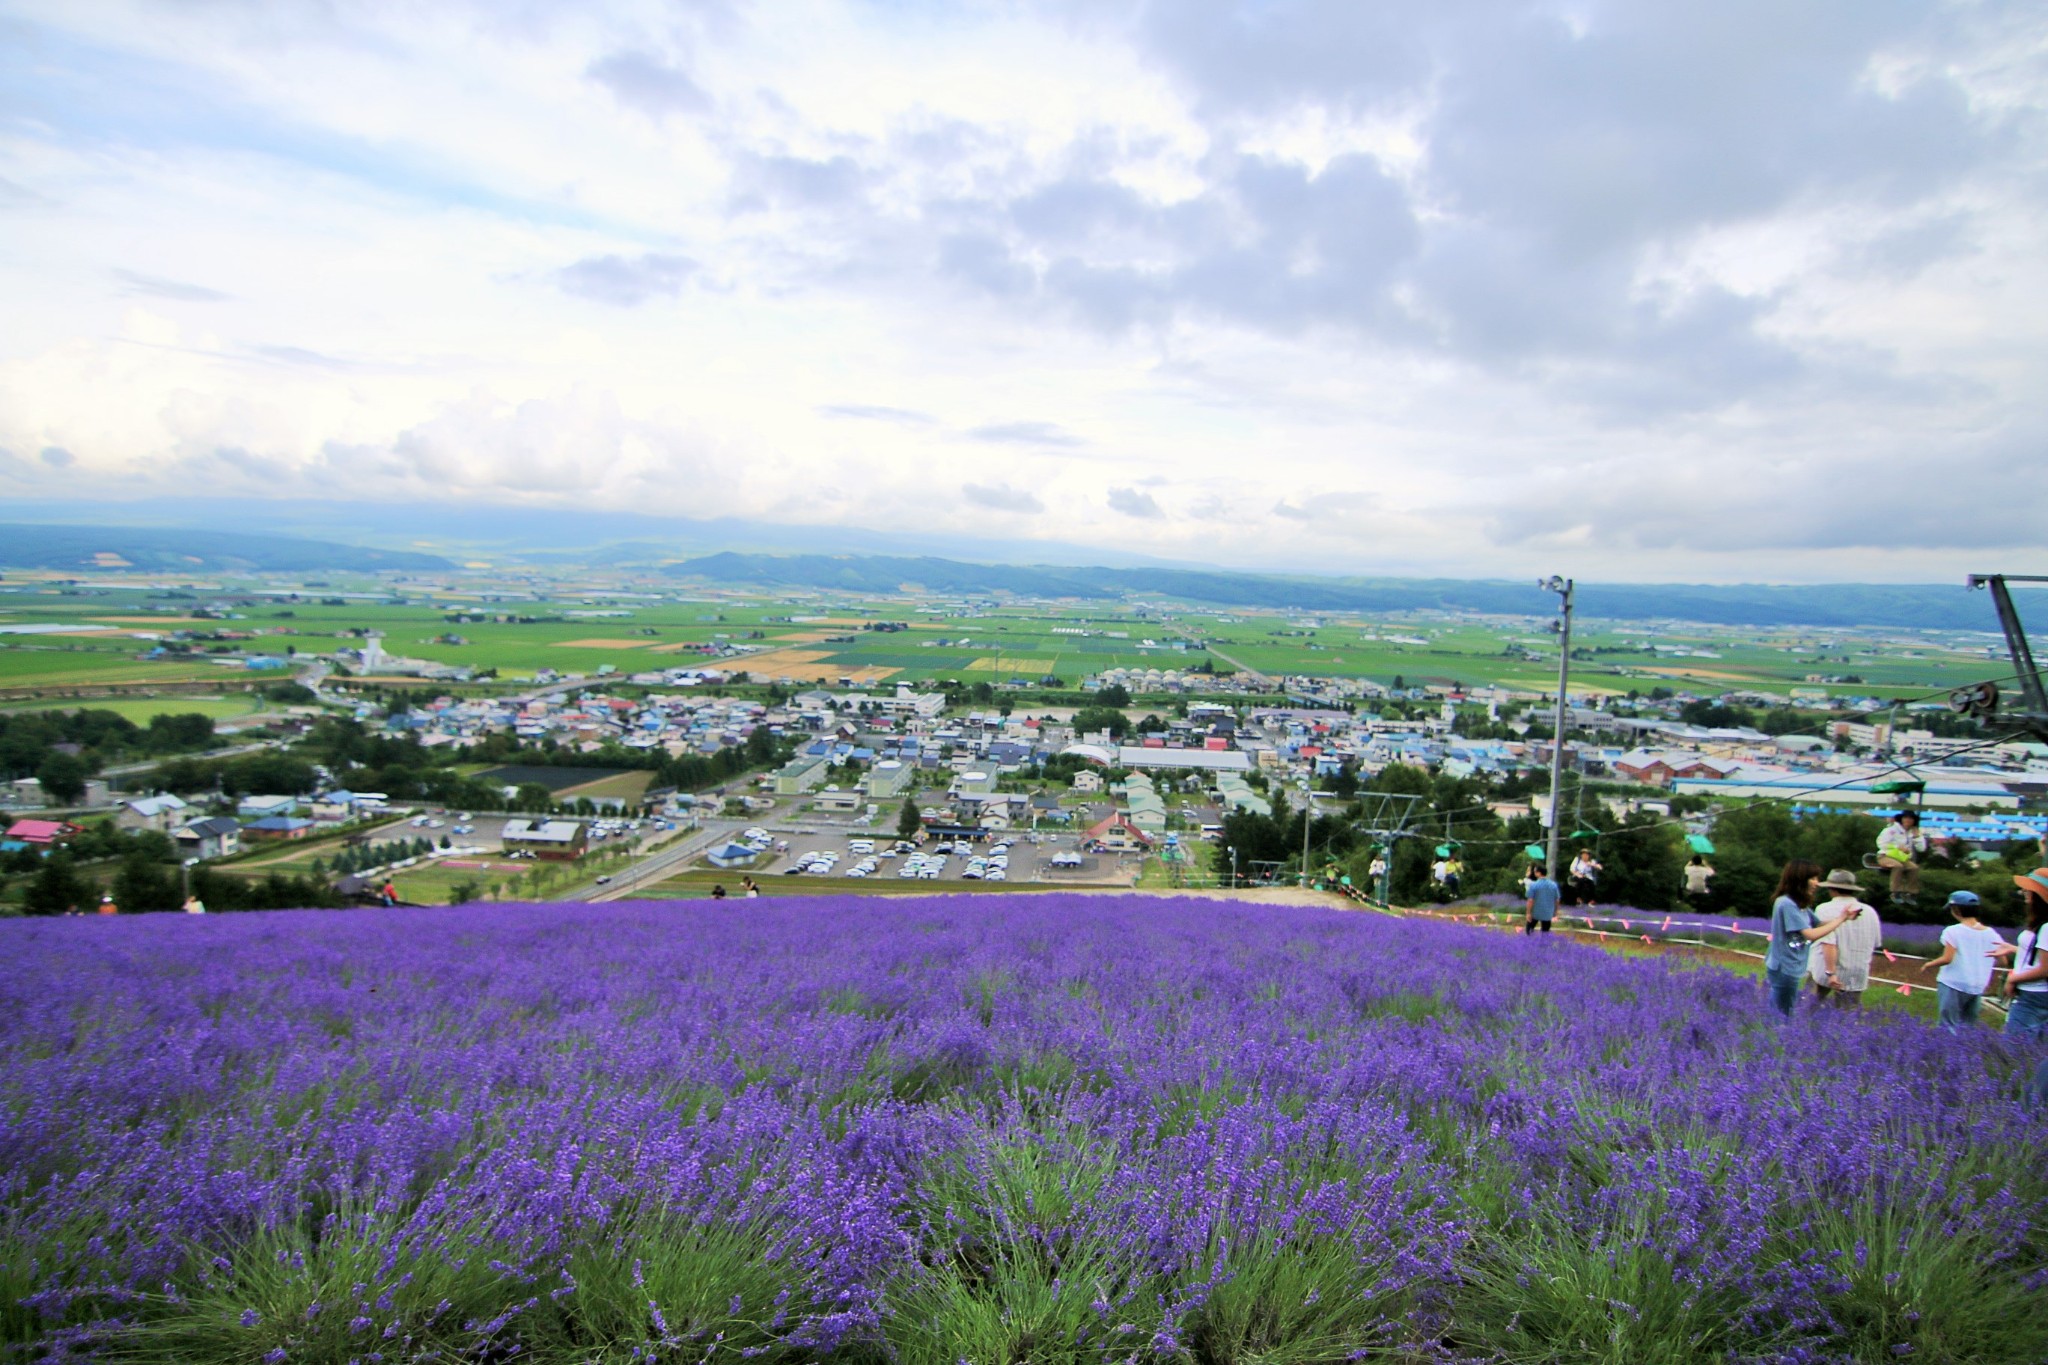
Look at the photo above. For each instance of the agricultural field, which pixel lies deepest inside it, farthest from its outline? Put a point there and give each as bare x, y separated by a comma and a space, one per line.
580, 626
141, 710
928, 1130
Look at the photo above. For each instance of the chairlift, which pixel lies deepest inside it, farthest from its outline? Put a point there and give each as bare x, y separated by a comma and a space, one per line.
1700, 844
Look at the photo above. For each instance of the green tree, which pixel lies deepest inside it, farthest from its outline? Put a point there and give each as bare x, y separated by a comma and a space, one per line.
1116, 694
57, 887
144, 884
909, 820
63, 777
1090, 719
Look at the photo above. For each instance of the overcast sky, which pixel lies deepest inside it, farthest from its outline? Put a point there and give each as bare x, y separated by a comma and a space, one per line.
1728, 290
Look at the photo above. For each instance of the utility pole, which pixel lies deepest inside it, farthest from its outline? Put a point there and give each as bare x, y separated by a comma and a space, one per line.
1308, 818
1563, 588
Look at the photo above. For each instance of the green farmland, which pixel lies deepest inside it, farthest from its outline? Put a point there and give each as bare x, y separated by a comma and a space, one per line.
578, 627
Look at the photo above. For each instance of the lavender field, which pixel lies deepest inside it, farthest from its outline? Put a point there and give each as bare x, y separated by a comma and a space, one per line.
1030, 1128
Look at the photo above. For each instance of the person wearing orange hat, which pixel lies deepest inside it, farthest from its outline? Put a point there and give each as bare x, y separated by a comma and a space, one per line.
2026, 986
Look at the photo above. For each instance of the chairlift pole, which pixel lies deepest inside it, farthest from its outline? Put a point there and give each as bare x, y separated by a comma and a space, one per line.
2033, 696
1563, 588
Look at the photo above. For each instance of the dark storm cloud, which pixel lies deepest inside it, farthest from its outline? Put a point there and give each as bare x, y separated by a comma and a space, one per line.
1002, 497
152, 287
626, 281
1026, 434
1133, 503
648, 84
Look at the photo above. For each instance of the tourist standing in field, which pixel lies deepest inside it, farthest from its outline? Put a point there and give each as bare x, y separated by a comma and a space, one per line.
1841, 969
1541, 903
752, 889
194, 906
1899, 846
2026, 988
107, 906
1963, 971
1794, 930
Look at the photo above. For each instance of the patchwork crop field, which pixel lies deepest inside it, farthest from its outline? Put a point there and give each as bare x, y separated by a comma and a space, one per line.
998, 1129
579, 627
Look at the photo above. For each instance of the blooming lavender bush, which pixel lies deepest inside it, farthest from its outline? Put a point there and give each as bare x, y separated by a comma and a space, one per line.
995, 1129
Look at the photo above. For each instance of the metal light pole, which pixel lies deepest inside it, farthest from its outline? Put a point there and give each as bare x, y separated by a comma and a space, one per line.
1563, 588
1308, 819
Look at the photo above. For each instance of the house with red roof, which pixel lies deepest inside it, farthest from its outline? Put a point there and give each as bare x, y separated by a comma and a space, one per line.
1117, 834
42, 833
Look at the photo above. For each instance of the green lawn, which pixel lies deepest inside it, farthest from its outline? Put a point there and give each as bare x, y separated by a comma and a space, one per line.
142, 709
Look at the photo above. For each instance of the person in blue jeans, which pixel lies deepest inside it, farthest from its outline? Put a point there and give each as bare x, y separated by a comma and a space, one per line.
1541, 902
1970, 949
2026, 987
1794, 930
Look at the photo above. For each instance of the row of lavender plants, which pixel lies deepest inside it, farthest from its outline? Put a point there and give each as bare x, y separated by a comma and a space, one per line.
1054, 1128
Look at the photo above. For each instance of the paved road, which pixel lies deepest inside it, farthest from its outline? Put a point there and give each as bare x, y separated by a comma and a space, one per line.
234, 751
1251, 673
655, 866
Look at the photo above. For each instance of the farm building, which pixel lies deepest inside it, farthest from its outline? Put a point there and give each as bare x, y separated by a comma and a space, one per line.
560, 840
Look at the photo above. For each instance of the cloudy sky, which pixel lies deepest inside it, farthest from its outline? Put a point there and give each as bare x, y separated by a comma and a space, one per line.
1672, 289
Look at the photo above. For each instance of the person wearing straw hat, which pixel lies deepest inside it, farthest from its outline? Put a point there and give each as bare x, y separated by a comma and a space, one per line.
2026, 987
1794, 930
1899, 844
1841, 969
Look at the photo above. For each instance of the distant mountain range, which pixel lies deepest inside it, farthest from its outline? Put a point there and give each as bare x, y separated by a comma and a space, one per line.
1934, 606
196, 534
85, 548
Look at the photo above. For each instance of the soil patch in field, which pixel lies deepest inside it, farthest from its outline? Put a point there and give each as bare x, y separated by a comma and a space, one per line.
554, 779
629, 785
992, 664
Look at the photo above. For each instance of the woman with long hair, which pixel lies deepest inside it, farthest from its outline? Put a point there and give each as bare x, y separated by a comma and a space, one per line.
2026, 989
1794, 930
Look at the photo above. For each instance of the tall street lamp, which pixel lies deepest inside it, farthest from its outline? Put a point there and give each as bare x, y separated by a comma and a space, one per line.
1563, 626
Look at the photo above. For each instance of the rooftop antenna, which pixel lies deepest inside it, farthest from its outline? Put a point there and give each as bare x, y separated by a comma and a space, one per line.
1981, 700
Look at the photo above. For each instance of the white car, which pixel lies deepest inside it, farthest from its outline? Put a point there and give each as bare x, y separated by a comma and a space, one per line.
996, 874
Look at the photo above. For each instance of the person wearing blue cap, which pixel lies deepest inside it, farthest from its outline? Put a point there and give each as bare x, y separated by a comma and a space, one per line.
1969, 947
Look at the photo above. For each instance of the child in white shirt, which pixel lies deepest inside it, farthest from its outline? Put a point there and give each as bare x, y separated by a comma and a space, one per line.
1969, 949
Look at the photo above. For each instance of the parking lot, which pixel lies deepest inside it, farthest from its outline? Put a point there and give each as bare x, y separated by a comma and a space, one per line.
841, 855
